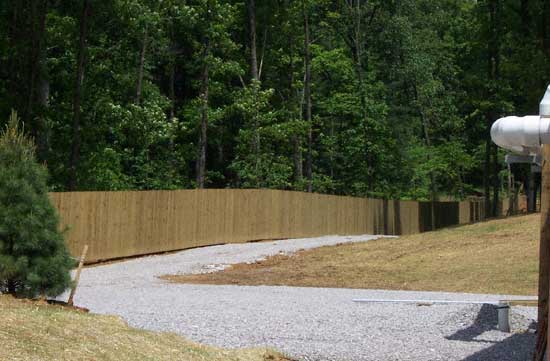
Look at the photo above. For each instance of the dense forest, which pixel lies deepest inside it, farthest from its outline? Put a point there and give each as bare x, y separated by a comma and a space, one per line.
385, 98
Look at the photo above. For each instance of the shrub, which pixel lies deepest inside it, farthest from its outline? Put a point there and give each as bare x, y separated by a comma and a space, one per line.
33, 257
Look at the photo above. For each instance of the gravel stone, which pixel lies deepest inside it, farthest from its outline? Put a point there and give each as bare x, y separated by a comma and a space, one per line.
305, 323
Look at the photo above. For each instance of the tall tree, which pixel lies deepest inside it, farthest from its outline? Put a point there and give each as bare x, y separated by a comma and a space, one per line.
545, 26
142, 56
251, 11
39, 84
201, 159
495, 9
296, 136
77, 111
307, 97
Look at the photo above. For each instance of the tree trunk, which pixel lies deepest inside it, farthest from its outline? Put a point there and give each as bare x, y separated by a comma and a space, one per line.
531, 193
544, 260
142, 55
486, 176
12, 288
497, 7
81, 59
13, 60
43, 130
360, 69
43, 96
510, 189
296, 141
496, 182
307, 96
172, 90
546, 26
39, 86
254, 77
358, 55
201, 159
427, 140
33, 59
297, 159
264, 45
251, 9
525, 18
290, 61
493, 73
332, 150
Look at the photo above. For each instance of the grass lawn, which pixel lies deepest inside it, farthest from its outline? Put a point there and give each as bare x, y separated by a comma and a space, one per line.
499, 256
37, 331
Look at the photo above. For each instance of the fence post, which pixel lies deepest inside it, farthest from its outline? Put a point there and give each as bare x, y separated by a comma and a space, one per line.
503, 316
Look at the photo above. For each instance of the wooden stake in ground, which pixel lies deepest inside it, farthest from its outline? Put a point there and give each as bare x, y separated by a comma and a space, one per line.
77, 277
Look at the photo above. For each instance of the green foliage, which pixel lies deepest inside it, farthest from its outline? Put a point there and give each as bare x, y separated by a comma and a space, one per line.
402, 91
257, 164
33, 257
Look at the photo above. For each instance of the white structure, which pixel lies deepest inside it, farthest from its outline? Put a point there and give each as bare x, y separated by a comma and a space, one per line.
524, 135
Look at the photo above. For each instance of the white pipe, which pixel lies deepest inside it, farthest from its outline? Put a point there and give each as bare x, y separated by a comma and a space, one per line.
544, 107
367, 300
524, 135
518, 134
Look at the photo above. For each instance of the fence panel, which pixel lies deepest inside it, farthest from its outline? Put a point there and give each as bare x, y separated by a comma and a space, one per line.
123, 224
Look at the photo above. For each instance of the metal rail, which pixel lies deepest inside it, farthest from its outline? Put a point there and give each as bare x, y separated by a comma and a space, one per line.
367, 300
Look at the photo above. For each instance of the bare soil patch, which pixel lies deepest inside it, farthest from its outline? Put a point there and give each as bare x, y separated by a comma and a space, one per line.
497, 257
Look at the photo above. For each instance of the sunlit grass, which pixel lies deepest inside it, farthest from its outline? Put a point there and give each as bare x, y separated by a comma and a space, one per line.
499, 256
35, 331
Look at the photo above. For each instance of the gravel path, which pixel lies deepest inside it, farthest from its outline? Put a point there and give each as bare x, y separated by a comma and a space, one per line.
305, 323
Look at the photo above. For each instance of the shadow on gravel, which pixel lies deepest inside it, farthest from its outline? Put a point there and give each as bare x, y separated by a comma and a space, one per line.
517, 347
486, 320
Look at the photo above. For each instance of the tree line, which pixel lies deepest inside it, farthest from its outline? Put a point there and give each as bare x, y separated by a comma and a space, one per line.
384, 98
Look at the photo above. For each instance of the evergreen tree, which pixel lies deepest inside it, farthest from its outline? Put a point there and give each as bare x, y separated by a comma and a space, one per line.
33, 257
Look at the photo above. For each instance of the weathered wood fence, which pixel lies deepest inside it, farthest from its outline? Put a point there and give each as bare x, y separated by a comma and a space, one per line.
123, 224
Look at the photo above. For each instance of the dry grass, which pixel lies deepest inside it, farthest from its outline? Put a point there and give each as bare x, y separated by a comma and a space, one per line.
499, 256
35, 331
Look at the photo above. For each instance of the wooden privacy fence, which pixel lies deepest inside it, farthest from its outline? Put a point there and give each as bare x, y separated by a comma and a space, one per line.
124, 224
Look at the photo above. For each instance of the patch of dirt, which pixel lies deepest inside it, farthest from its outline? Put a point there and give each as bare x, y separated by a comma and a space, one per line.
499, 256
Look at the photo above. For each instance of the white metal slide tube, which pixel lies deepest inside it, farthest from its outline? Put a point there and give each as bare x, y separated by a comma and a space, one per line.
524, 135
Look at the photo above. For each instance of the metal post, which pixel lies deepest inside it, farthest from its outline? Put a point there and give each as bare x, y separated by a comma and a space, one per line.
503, 316
502, 307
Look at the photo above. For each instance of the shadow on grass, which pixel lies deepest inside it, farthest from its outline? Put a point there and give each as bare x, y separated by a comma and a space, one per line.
517, 347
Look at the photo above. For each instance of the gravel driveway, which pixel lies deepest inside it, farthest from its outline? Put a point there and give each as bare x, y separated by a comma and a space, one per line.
305, 323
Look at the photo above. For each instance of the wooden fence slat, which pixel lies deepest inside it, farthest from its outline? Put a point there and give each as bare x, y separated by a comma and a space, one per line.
123, 224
